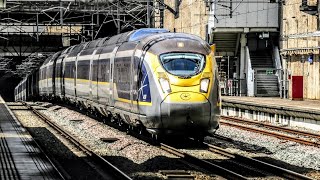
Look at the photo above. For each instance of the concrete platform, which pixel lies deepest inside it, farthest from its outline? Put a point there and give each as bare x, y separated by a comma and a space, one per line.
275, 110
20, 158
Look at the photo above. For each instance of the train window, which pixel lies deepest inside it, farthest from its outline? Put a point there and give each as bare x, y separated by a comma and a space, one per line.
124, 37
83, 69
102, 41
93, 44
58, 70
76, 49
103, 70
107, 49
183, 64
113, 40
67, 50
69, 68
95, 65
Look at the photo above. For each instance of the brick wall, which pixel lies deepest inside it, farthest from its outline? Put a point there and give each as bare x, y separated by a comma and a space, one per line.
193, 17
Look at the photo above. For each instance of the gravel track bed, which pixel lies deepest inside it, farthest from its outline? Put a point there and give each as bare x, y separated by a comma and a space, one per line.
68, 157
230, 164
137, 158
291, 155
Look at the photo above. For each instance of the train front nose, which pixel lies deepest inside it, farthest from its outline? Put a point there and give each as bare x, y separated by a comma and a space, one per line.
186, 112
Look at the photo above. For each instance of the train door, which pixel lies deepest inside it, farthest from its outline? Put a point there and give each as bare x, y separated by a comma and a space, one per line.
62, 76
46, 72
134, 89
81, 47
54, 74
92, 77
75, 71
104, 75
111, 80
62, 70
58, 78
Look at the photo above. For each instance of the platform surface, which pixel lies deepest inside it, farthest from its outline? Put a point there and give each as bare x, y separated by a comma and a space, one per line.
307, 105
20, 158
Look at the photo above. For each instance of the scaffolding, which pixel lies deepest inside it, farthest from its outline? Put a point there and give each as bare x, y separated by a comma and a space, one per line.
29, 28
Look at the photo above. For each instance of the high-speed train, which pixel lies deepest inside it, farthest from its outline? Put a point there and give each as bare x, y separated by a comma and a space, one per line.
163, 82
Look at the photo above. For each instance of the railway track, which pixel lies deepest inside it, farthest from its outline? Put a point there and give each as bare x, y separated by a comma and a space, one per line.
219, 170
215, 167
227, 172
228, 121
112, 171
6, 153
257, 163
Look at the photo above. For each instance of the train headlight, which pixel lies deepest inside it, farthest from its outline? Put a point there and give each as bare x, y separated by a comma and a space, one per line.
204, 85
165, 85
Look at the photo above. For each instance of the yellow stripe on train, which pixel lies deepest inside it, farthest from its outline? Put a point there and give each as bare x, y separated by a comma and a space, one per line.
134, 102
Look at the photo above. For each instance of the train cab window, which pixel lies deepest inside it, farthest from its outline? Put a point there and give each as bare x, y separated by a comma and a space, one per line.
183, 64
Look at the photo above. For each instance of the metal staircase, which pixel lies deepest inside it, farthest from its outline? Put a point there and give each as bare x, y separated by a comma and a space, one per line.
227, 43
266, 79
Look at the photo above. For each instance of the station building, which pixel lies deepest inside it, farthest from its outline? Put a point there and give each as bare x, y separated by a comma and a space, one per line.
263, 48
300, 49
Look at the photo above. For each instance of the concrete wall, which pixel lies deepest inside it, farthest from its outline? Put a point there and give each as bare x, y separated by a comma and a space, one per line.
297, 50
246, 14
297, 22
193, 18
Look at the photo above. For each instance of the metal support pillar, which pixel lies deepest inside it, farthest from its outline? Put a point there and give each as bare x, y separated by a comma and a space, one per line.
118, 18
37, 23
61, 13
148, 14
243, 43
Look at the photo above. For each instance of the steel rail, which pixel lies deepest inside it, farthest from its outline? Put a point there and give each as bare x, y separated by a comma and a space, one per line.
257, 163
116, 172
202, 163
277, 135
293, 131
274, 134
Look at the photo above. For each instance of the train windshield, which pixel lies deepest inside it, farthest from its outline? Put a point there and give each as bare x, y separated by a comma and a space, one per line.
183, 64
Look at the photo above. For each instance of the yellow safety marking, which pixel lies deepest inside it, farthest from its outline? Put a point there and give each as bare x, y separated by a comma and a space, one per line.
69, 79
83, 80
135, 102
100, 83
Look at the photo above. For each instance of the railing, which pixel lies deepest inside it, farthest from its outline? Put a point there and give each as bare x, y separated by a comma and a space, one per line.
250, 74
230, 87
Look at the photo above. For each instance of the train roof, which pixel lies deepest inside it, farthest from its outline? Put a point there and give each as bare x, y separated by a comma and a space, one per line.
142, 33
131, 36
